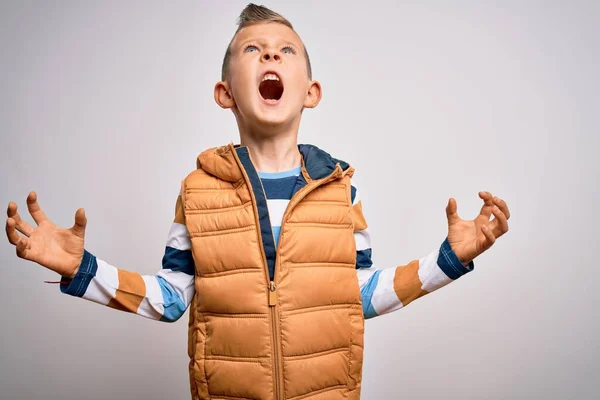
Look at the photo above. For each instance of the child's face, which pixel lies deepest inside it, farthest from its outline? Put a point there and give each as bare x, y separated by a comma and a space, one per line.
268, 82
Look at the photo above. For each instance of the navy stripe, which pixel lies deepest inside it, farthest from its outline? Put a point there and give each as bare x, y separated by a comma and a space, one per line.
80, 282
179, 260
363, 258
353, 193
300, 183
450, 264
263, 211
279, 188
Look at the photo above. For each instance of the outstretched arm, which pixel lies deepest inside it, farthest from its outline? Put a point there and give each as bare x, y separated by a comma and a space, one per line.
164, 296
390, 289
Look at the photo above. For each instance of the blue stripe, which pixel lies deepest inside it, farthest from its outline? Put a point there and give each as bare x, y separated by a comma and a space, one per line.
80, 282
174, 306
276, 232
263, 212
366, 293
279, 175
179, 260
363, 258
450, 264
353, 193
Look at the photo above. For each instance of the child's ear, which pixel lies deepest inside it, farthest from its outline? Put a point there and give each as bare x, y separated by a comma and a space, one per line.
313, 96
223, 95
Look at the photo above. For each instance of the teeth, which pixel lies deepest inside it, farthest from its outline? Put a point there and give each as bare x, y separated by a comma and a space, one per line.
270, 77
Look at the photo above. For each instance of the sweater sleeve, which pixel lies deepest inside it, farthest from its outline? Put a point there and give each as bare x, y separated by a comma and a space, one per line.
163, 296
389, 289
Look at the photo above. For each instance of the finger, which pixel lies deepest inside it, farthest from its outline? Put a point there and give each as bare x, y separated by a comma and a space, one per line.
499, 226
12, 209
34, 208
80, 223
11, 233
452, 211
21, 225
23, 247
488, 240
502, 206
488, 204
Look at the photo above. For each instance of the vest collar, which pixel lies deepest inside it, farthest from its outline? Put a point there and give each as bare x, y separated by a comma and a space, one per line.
316, 163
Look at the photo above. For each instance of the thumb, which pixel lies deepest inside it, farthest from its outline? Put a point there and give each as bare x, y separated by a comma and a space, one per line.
80, 223
22, 247
451, 212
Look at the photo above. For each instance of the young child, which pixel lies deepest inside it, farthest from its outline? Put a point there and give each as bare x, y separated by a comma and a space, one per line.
269, 244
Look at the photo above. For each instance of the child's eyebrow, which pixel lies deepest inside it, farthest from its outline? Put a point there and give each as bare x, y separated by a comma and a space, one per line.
294, 45
252, 40
262, 41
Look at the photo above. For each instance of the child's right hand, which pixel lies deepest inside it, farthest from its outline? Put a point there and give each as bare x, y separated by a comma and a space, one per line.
60, 250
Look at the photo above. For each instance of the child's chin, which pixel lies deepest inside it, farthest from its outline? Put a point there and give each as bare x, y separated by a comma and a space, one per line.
270, 118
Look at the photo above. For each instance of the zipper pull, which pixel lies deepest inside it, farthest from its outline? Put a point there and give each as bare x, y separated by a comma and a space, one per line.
272, 294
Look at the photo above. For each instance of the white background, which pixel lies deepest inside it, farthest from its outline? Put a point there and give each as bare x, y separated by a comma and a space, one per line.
105, 105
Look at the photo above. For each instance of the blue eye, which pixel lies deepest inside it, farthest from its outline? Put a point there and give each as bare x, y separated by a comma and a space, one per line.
251, 49
287, 50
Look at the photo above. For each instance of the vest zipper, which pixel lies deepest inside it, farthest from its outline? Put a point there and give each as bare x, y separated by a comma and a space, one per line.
272, 287
277, 373
278, 370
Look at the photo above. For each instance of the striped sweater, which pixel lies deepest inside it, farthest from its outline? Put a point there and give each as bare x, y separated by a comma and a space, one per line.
166, 295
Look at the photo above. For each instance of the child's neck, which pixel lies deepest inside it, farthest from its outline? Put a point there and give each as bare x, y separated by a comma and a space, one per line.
273, 154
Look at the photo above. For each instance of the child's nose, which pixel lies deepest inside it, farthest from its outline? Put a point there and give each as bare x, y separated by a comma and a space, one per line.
270, 56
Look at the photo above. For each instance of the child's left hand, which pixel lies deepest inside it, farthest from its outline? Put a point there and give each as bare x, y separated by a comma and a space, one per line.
469, 239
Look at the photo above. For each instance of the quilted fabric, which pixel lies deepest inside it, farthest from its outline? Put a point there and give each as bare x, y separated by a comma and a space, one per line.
265, 322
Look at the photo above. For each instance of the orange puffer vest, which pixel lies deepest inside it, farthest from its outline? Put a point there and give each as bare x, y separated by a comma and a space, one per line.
265, 322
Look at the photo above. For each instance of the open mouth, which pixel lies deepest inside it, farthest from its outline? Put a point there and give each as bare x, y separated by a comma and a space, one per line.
270, 87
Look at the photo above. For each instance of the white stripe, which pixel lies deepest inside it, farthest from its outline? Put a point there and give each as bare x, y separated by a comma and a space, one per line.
181, 283
430, 273
384, 298
362, 239
364, 274
356, 196
152, 304
103, 287
276, 210
179, 238
188, 293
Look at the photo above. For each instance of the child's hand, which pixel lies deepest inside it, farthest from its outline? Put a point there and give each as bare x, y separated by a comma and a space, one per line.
469, 239
60, 250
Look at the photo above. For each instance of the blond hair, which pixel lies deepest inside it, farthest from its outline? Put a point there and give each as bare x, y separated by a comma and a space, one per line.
254, 14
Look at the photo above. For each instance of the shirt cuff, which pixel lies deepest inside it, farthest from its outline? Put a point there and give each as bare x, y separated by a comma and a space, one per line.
80, 282
449, 263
